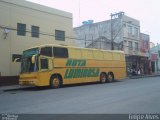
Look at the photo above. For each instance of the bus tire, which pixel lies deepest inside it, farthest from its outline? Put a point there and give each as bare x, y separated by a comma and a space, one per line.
103, 77
110, 77
55, 82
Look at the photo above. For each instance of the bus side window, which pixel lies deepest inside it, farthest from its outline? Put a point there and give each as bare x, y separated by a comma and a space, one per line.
60, 52
44, 64
46, 51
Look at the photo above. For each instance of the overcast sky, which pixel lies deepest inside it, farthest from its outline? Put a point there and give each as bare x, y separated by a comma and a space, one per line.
146, 11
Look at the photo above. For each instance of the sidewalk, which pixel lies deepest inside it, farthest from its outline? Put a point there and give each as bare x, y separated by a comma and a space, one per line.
144, 76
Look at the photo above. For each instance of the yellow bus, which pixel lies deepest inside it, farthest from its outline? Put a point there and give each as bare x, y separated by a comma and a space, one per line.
57, 65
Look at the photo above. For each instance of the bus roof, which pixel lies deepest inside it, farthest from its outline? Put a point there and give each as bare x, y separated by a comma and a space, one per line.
66, 46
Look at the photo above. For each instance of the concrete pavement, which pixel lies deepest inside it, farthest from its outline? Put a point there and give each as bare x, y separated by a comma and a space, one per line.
3, 88
12, 87
128, 96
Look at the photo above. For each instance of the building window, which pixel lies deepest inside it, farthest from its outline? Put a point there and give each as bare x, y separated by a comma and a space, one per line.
129, 29
135, 32
130, 45
35, 31
59, 35
21, 29
136, 46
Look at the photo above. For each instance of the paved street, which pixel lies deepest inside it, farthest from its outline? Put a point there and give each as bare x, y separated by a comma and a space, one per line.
128, 96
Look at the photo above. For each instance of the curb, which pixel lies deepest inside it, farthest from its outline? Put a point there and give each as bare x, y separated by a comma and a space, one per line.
11, 87
144, 76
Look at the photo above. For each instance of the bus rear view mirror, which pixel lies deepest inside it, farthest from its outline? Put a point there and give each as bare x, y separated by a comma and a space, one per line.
33, 59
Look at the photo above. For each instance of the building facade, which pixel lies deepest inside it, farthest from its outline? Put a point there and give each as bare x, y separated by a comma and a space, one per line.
152, 44
119, 33
155, 58
23, 25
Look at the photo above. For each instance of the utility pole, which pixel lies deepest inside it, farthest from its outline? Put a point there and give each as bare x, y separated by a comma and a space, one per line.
114, 16
112, 46
85, 41
92, 41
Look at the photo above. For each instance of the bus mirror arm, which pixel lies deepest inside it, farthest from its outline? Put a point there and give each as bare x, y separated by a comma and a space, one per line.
16, 59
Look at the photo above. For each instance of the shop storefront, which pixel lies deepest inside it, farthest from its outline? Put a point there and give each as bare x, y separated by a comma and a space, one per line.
154, 62
137, 65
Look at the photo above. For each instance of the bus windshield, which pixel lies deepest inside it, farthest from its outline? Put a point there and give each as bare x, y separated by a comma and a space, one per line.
26, 64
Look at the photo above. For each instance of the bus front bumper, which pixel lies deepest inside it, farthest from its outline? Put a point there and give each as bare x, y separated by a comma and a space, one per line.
28, 80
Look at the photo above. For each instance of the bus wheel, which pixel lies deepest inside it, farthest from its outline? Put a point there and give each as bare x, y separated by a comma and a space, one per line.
103, 77
110, 77
55, 82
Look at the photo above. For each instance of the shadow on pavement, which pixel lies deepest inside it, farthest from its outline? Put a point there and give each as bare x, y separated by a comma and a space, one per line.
26, 89
47, 87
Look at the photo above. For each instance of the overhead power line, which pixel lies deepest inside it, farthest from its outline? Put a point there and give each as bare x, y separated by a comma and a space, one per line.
53, 35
